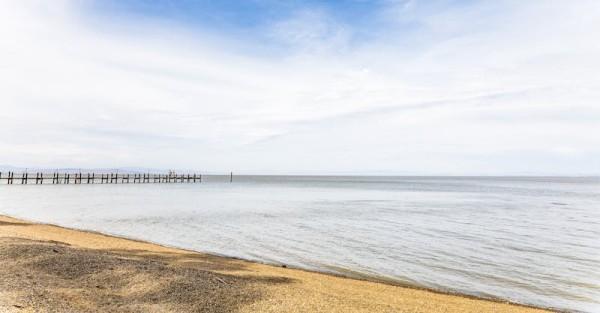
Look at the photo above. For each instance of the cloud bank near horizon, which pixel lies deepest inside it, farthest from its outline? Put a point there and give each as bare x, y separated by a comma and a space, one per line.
388, 87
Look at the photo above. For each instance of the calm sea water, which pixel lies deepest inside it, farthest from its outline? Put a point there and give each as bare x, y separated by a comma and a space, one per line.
529, 240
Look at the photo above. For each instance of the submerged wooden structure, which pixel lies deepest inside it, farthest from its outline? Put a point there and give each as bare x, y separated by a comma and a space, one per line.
55, 178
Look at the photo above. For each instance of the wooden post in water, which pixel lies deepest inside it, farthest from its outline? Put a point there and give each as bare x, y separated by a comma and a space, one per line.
231, 177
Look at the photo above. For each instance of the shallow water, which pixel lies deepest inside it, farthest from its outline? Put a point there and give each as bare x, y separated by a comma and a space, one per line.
529, 240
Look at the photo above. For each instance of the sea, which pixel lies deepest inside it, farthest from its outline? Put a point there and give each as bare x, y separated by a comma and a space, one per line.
530, 240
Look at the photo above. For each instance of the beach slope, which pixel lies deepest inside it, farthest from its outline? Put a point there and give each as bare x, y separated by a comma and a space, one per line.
46, 268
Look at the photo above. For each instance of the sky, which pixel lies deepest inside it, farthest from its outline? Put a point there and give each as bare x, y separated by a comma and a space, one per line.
403, 87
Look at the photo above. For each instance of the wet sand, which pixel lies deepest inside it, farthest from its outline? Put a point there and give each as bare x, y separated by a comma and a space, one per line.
46, 268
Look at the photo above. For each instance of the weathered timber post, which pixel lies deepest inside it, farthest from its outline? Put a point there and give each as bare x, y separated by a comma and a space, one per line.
231, 177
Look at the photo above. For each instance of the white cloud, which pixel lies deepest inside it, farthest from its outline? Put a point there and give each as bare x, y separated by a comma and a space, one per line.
502, 88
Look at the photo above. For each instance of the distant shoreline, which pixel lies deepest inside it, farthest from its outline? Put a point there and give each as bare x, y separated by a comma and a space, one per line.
94, 271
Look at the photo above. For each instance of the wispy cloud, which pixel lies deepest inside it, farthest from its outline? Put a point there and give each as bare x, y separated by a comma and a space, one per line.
417, 87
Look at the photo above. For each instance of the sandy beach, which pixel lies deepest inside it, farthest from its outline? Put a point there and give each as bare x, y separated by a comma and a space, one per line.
46, 268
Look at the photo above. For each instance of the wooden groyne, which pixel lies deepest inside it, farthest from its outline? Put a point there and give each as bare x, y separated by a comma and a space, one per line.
56, 178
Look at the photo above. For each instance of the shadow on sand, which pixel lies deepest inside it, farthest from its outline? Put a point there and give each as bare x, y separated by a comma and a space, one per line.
54, 277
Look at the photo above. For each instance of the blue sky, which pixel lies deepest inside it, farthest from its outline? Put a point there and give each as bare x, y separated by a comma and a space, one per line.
307, 87
250, 21
233, 15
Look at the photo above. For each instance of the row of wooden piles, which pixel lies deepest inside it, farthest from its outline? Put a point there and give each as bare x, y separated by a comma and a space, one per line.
101, 178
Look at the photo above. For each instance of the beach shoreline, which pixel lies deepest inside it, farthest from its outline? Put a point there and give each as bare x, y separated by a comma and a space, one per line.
53, 268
